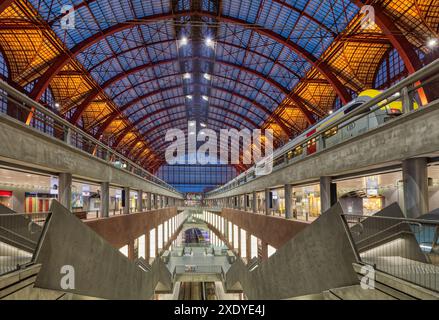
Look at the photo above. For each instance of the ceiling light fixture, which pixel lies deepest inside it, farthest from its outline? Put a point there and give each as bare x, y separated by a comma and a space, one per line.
207, 76
209, 42
184, 41
187, 75
189, 97
432, 43
205, 98
203, 125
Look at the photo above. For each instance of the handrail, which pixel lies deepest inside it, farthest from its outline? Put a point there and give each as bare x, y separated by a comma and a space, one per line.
431, 69
411, 220
24, 101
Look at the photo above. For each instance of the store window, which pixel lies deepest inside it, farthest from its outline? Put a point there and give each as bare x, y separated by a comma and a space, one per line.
115, 201
370, 194
278, 203
86, 200
26, 192
433, 187
306, 202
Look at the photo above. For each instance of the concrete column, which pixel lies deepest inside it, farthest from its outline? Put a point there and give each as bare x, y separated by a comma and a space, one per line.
162, 203
126, 195
226, 230
65, 190
288, 201
254, 203
327, 195
264, 255
139, 201
238, 202
415, 184
147, 245
248, 245
148, 201
105, 199
267, 202
233, 238
131, 250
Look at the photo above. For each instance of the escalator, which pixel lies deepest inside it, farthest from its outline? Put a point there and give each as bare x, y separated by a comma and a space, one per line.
197, 291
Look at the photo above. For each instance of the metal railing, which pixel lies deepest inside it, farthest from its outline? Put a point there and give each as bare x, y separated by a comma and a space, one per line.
19, 236
405, 248
198, 270
24, 109
332, 134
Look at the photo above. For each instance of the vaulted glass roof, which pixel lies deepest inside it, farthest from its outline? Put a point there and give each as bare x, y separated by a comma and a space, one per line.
224, 63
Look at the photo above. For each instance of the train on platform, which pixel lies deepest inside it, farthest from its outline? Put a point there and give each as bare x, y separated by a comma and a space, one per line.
355, 126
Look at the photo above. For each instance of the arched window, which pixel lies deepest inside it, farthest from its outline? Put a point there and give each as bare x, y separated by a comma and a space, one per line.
391, 70
4, 73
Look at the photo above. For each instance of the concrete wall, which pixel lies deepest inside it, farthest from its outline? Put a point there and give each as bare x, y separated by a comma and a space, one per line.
411, 135
99, 269
119, 230
26, 146
275, 231
317, 259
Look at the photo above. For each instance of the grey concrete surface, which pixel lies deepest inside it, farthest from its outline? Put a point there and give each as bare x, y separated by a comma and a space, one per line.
317, 259
376, 236
18, 230
411, 135
356, 293
99, 269
399, 288
49, 154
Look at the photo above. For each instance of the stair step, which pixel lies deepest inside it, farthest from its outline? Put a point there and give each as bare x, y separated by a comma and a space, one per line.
357, 293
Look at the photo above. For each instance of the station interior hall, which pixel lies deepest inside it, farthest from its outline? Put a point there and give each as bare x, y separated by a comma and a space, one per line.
219, 150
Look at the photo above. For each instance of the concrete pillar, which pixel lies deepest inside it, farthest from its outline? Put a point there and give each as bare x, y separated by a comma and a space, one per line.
415, 184
248, 245
267, 202
328, 194
126, 195
131, 250
139, 201
148, 201
65, 190
264, 254
238, 202
162, 203
288, 201
226, 230
254, 203
105, 199
19, 201
233, 238
147, 245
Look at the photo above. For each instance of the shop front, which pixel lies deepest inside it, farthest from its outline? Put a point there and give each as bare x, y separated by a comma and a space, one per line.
27, 192
370, 194
306, 202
